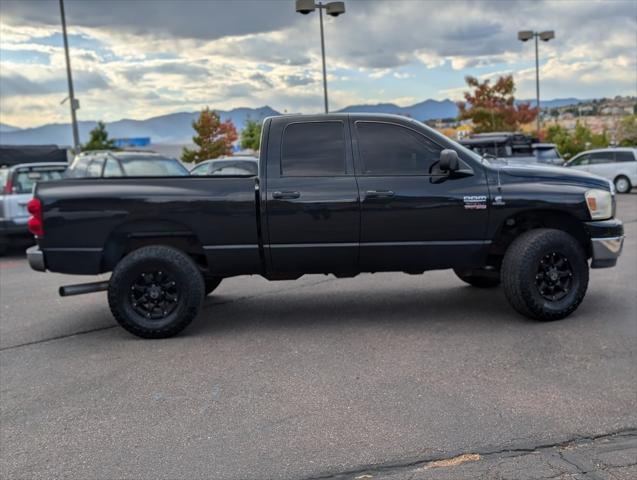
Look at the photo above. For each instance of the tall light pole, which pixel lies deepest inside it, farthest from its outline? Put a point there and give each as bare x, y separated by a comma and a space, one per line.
545, 36
72, 100
334, 9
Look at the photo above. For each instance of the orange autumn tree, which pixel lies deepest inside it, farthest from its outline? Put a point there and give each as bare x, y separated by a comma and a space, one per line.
214, 137
492, 108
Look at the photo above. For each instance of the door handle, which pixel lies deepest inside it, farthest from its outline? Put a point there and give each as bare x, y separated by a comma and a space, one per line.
379, 194
285, 195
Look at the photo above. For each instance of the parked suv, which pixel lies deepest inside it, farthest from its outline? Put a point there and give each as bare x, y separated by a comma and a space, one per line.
107, 163
16, 187
619, 165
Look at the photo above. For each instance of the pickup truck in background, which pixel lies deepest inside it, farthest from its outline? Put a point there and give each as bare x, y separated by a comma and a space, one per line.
335, 194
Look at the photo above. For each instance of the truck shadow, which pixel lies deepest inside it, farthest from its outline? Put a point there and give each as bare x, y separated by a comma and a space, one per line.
428, 307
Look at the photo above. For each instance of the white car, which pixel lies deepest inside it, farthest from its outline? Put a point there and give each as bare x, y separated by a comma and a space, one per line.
619, 165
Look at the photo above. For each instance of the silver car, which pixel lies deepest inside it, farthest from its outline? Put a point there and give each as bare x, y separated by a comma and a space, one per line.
16, 187
227, 166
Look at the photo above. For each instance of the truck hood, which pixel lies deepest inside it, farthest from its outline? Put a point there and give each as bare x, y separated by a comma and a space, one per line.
555, 175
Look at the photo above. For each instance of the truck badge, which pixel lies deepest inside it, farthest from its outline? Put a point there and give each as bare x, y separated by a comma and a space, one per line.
475, 202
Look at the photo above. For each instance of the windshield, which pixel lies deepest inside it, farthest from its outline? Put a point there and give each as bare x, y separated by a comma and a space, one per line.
3, 177
152, 166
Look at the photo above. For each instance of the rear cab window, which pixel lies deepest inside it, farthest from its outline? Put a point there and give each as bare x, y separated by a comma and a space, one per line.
313, 149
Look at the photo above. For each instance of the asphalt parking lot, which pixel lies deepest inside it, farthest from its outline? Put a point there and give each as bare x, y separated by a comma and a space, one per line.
376, 376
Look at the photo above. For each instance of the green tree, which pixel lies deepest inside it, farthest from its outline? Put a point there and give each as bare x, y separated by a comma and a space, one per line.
492, 108
627, 131
570, 143
251, 135
99, 139
214, 137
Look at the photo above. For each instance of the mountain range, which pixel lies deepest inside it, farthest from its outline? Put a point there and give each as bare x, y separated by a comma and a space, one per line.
176, 128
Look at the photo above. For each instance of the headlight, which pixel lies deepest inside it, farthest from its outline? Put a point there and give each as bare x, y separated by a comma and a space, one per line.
600, 204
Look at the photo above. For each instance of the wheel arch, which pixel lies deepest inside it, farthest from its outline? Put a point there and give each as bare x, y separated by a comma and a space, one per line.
130, 236
520, 222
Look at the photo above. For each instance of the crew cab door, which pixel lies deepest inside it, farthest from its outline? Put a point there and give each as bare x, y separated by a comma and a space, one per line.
414, 217
312, 204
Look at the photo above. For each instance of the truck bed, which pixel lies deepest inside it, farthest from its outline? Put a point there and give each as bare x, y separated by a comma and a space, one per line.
90, 221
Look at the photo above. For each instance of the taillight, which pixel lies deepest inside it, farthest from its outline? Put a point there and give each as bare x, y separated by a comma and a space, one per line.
35, 224
8, 187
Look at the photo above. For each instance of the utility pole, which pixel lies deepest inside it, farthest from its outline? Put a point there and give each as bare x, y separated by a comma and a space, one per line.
545, 36
537, 87
333, 9
320, 6
74, 103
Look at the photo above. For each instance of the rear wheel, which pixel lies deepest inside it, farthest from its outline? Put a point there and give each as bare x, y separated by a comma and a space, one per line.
622, 184
479, 278
545, 274
155, 291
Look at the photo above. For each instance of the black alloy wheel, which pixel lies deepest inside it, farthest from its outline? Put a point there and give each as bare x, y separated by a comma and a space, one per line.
154, 294
554, 276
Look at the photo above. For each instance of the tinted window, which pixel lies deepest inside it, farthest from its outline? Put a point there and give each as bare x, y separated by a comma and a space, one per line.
200, 169
24, 180
111, 168
602, 157
313, 149
152, 166
579, 161
388, 149
95, 167
624, 157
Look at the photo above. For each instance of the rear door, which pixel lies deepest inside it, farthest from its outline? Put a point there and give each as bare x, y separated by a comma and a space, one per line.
312, 200
413, 217
603, 164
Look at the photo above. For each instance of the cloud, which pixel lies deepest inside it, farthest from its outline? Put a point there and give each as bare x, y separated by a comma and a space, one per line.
143, 57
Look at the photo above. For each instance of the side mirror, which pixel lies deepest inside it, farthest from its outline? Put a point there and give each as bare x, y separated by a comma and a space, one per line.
449, 161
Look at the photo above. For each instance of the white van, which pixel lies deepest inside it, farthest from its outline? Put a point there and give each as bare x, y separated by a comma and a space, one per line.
619, 165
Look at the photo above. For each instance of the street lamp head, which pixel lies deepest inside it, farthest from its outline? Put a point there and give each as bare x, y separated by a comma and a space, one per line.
335, 8
525, 35
305, 6
547, 35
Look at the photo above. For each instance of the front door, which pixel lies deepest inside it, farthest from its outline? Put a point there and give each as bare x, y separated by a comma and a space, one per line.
413, 217
313, 210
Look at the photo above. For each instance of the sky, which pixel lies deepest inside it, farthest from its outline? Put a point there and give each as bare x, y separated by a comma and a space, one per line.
143, 58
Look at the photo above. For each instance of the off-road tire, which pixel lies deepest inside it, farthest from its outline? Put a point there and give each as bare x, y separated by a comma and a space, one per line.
520, 273
211, 283
475, 279
187, 280
618, 184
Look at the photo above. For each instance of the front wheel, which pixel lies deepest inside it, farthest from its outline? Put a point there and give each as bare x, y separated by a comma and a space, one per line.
545, 274
622, 184
155, 291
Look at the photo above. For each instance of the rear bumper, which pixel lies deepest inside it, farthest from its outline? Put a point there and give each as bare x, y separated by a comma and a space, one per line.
35, 256
607, 242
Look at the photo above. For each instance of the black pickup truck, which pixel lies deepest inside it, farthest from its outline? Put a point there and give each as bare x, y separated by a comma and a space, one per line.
335, 194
